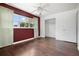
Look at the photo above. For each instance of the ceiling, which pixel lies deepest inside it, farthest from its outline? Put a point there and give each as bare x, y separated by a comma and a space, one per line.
51, 8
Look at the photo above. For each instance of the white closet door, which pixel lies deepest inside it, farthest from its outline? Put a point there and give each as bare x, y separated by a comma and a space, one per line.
35, 27
6, 27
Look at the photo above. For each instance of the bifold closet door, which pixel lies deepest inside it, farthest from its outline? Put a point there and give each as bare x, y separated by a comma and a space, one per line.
6, 27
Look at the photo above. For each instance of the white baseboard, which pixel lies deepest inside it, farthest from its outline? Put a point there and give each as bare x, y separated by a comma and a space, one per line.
24, 40
67, 40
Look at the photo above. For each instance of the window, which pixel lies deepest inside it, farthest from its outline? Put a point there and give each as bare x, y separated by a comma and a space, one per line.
22, 21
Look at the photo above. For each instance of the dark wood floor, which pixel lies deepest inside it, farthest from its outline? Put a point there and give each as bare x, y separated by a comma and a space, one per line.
41, 47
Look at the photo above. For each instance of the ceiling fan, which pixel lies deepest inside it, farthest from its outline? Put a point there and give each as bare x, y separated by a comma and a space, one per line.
40, 9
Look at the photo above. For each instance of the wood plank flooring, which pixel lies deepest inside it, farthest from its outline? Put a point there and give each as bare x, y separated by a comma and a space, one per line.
41, 47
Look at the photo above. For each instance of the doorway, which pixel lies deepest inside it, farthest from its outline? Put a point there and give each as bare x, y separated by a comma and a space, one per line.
50, 27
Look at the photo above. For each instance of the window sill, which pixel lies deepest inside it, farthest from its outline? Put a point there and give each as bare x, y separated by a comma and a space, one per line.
24, 27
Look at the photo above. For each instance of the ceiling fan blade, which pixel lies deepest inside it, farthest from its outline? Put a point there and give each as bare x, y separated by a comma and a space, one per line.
45, 5
45, 10
34, 10
40, 14
37, 5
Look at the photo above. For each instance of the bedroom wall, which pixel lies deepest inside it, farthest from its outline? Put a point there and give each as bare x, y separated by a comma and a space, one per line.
65, 25
6, 30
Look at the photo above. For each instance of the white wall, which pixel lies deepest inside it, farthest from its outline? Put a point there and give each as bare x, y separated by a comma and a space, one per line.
6, 28
42, 27
46, 29
78, 26
35, 27
65, 25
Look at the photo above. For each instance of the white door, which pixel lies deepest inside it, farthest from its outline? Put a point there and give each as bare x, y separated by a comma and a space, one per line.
6, 28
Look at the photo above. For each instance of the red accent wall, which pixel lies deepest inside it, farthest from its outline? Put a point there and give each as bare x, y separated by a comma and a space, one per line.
39, 26
21, 12
22, 33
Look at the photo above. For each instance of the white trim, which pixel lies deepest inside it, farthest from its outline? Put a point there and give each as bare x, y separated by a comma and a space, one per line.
24, 40
78, 48
24, 27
